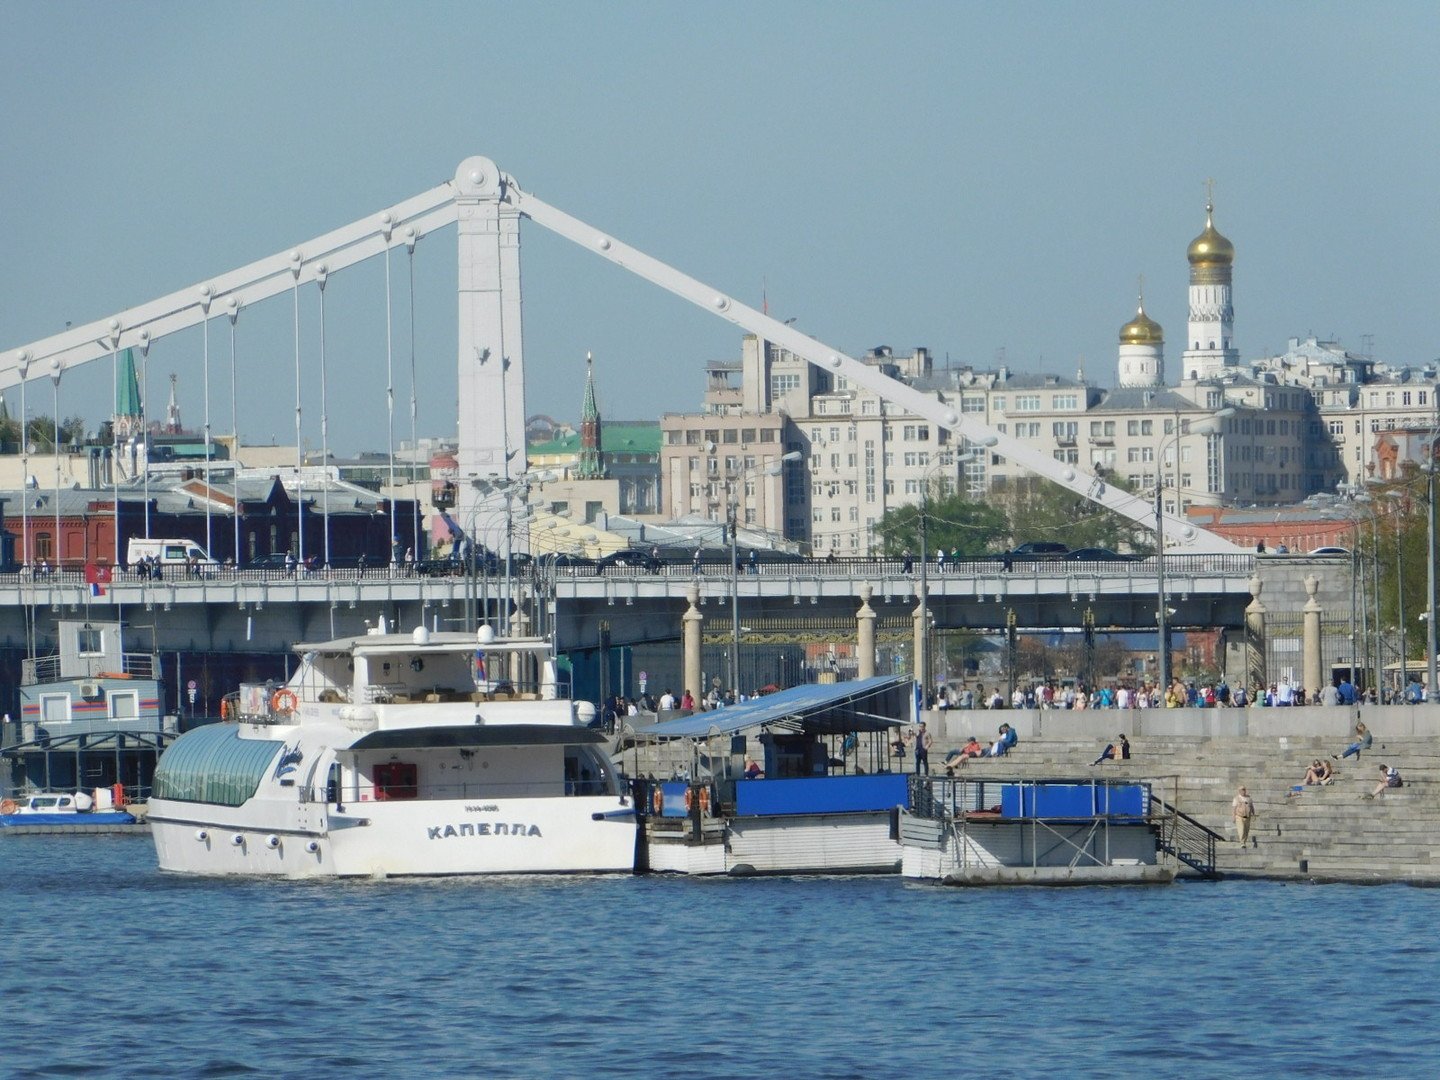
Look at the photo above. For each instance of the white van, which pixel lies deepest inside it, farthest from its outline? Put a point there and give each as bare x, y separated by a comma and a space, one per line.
167, 552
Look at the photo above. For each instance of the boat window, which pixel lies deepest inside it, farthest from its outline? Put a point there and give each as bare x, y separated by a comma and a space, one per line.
396, 780
212, 764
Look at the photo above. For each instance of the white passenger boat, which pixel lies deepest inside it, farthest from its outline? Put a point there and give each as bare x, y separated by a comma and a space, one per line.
396, 754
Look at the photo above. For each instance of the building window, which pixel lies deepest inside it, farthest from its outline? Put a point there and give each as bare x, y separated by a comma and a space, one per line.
784, 384
89, 641
1066, 401
1027, 402
972, 405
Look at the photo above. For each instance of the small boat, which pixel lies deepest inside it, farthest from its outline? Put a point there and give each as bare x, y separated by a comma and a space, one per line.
104, 808
820, 796
394, 755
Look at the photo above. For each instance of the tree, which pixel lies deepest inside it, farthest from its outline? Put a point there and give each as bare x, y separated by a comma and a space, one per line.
952, 522
1043, 510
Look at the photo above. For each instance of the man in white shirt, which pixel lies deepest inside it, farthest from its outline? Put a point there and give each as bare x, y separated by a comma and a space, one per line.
667, 701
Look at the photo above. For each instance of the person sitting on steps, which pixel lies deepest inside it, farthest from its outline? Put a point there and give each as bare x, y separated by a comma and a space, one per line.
1389, 778
1363, 739
1116, 751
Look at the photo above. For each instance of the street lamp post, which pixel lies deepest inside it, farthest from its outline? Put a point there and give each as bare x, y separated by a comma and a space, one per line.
773, 467
1206, 425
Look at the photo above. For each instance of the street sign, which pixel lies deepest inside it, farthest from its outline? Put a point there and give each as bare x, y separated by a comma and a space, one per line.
192, 685
644, 678
190, 693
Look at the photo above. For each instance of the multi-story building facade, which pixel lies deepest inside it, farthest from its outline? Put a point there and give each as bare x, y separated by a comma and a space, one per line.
1306, 421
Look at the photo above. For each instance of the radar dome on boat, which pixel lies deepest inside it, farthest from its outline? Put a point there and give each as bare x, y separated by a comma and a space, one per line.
420, 635
485, 635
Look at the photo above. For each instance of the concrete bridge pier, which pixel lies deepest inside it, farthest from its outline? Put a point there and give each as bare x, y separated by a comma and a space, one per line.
692, 624
865, 634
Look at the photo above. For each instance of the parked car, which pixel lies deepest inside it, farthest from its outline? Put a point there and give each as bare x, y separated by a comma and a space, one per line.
1330, 549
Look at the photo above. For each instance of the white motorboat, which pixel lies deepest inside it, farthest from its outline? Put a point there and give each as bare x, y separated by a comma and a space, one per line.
396, 754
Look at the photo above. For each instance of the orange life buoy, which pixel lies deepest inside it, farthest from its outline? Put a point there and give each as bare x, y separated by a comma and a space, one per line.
117, 795
658, 801
284, 701
689, 796
8, 806
705, 800
224, 709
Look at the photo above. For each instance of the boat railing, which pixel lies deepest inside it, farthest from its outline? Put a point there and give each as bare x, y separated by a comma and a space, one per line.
50, 668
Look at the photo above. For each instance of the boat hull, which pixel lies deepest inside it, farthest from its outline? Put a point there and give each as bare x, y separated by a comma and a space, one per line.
584, 834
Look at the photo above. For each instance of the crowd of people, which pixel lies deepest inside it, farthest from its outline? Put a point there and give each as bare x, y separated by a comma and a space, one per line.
1180, 694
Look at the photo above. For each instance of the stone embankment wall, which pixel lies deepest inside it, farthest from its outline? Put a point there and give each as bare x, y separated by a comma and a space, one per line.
1331, 833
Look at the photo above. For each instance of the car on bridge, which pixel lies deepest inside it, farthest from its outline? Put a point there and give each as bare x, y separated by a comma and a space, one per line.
1097, 554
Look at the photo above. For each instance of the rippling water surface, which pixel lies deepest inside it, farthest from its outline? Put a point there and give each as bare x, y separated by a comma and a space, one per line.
112, 969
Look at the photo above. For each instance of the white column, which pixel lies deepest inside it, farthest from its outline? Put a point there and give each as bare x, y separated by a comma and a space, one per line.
491, 356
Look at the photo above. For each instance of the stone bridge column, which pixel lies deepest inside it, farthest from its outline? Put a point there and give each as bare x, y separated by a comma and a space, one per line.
1310, 641
865, 634
691, 624
1255, 665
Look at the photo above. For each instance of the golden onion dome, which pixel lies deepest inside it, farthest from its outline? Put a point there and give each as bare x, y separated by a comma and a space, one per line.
1210, 248
1141, 330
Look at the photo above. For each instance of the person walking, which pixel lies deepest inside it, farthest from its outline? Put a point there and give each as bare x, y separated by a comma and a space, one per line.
923, 741
1242, 807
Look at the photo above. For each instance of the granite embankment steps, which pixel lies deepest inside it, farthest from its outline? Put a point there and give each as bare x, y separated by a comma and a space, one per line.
1330, 832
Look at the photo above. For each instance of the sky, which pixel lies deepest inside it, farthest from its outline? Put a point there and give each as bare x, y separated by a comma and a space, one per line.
986, 180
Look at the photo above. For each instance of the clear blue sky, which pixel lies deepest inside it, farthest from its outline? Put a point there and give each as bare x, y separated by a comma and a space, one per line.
969, 177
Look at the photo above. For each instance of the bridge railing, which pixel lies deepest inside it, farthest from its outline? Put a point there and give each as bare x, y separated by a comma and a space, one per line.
1176, 565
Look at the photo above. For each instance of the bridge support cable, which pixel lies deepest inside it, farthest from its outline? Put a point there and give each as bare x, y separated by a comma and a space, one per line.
232, 305
386, 228
205, 298
410, 239
114, 446
320, 281
299, 441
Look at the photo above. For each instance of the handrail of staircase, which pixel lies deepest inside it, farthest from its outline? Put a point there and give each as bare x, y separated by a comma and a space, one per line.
1187, 834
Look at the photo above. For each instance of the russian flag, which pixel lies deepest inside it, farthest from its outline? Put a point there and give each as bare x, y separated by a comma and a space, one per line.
480, 676
97, 577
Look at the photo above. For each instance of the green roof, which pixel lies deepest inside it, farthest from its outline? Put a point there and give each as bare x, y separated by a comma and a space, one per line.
620, 437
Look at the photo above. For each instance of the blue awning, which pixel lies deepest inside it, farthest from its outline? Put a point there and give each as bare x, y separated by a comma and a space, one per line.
863, 705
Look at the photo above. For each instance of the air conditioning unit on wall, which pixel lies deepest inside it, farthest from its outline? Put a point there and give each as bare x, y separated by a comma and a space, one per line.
90, 690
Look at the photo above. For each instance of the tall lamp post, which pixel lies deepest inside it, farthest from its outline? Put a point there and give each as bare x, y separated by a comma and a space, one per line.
772, 467
974, 453
1207, 425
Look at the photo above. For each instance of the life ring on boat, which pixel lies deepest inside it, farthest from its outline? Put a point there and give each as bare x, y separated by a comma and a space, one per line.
704, 798
284, 701
9, 806
224, 709
658, 801
117, 795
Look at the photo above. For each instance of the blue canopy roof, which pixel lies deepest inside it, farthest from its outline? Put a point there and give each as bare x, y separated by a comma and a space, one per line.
862, 705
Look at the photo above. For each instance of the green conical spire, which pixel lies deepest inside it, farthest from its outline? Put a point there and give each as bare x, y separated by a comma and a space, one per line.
127, 392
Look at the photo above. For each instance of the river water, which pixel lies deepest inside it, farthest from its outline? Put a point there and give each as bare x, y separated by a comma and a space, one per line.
113, 969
